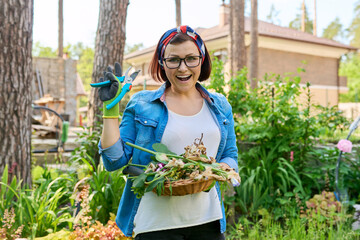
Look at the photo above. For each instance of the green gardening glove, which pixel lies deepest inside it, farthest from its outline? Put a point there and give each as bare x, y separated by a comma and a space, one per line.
110, 92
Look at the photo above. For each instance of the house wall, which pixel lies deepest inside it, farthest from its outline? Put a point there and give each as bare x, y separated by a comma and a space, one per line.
321, 72
59, 80
318, 70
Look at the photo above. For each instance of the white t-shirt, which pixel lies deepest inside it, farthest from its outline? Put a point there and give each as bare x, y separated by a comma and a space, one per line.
157, 213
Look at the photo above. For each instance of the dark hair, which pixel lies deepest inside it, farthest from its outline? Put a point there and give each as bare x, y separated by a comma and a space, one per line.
157, 72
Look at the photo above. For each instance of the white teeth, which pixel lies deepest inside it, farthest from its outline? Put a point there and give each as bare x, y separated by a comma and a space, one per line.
184, 76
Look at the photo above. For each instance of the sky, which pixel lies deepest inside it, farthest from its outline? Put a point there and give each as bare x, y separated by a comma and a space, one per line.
147, 20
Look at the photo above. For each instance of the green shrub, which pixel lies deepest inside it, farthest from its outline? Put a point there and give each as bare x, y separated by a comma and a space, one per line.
105, 187
277, 128
325, 208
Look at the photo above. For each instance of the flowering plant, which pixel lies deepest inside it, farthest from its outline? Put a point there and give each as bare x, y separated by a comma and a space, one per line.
167, 167
344, 145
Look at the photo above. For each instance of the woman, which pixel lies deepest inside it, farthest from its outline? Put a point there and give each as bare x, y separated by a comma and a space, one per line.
175, 114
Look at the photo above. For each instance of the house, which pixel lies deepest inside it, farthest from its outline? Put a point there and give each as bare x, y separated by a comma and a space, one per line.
281, 50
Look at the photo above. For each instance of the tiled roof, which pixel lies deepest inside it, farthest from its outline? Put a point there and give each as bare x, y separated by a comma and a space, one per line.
272, 30
264, 29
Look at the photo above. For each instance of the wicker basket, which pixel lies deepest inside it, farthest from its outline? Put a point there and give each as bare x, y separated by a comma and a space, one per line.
185, 186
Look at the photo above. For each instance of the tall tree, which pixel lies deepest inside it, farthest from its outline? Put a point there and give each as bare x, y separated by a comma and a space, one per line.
354, 29
178, 12
296, 23
237, 60
237, 35
254, 53
303, 16
16, 19
334, 30
314, 21
61, 29
109, 47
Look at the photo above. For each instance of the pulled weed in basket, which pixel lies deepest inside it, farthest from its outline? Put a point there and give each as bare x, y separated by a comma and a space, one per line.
167, 168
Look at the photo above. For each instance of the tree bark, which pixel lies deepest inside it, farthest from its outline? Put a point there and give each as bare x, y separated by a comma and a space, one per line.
303, 16
231, 34
178, 12
16, 19
109, 48
314, 21
254, 55
238, 35
61, 30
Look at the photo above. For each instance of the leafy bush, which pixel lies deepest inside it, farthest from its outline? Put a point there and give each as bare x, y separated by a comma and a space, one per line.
105, 187
85, 229
277, 126
8, 231
292, 228
325, 208
40, 210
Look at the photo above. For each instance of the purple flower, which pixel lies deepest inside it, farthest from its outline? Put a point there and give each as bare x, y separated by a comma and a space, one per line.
344, 145
235, 182
159, 166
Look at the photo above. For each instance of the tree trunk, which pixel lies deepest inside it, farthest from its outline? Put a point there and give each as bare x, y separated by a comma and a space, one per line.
254, 55
238, 35
231, 34
16, 19
109, 48
178, 12
61, 29
314, 21
303, 16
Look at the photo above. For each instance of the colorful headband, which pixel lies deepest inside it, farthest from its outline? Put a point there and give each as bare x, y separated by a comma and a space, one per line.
164, 41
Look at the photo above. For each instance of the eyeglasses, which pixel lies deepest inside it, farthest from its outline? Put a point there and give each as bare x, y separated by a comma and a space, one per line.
175, 62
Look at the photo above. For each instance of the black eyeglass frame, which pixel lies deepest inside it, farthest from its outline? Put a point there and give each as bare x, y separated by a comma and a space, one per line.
182, 59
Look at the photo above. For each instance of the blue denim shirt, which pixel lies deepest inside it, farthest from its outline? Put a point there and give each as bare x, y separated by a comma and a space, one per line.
143, 123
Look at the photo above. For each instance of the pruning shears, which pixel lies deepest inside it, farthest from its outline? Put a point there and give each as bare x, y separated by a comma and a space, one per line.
128, 80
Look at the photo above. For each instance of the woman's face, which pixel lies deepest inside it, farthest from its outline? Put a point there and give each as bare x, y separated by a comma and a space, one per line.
183, 78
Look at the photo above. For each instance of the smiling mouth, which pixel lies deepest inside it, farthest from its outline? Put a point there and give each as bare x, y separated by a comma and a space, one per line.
183, 78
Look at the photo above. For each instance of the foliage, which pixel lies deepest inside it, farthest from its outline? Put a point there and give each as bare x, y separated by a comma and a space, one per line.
292, 228
98, 231
88, 140
85, 229
334, 30
296, 23
320, 171
277, 127
133, 48
273, 16
50, 204
168, 168
60, 235
353, 31
105, 187
8, 231
325, 208
41, 51
350, 68
85, 66
40, 210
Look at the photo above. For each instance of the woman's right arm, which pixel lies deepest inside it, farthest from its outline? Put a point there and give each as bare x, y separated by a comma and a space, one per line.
110, 133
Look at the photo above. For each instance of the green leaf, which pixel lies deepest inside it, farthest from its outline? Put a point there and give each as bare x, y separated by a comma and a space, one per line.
152, 185
139, 181
161, 157
161, 148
